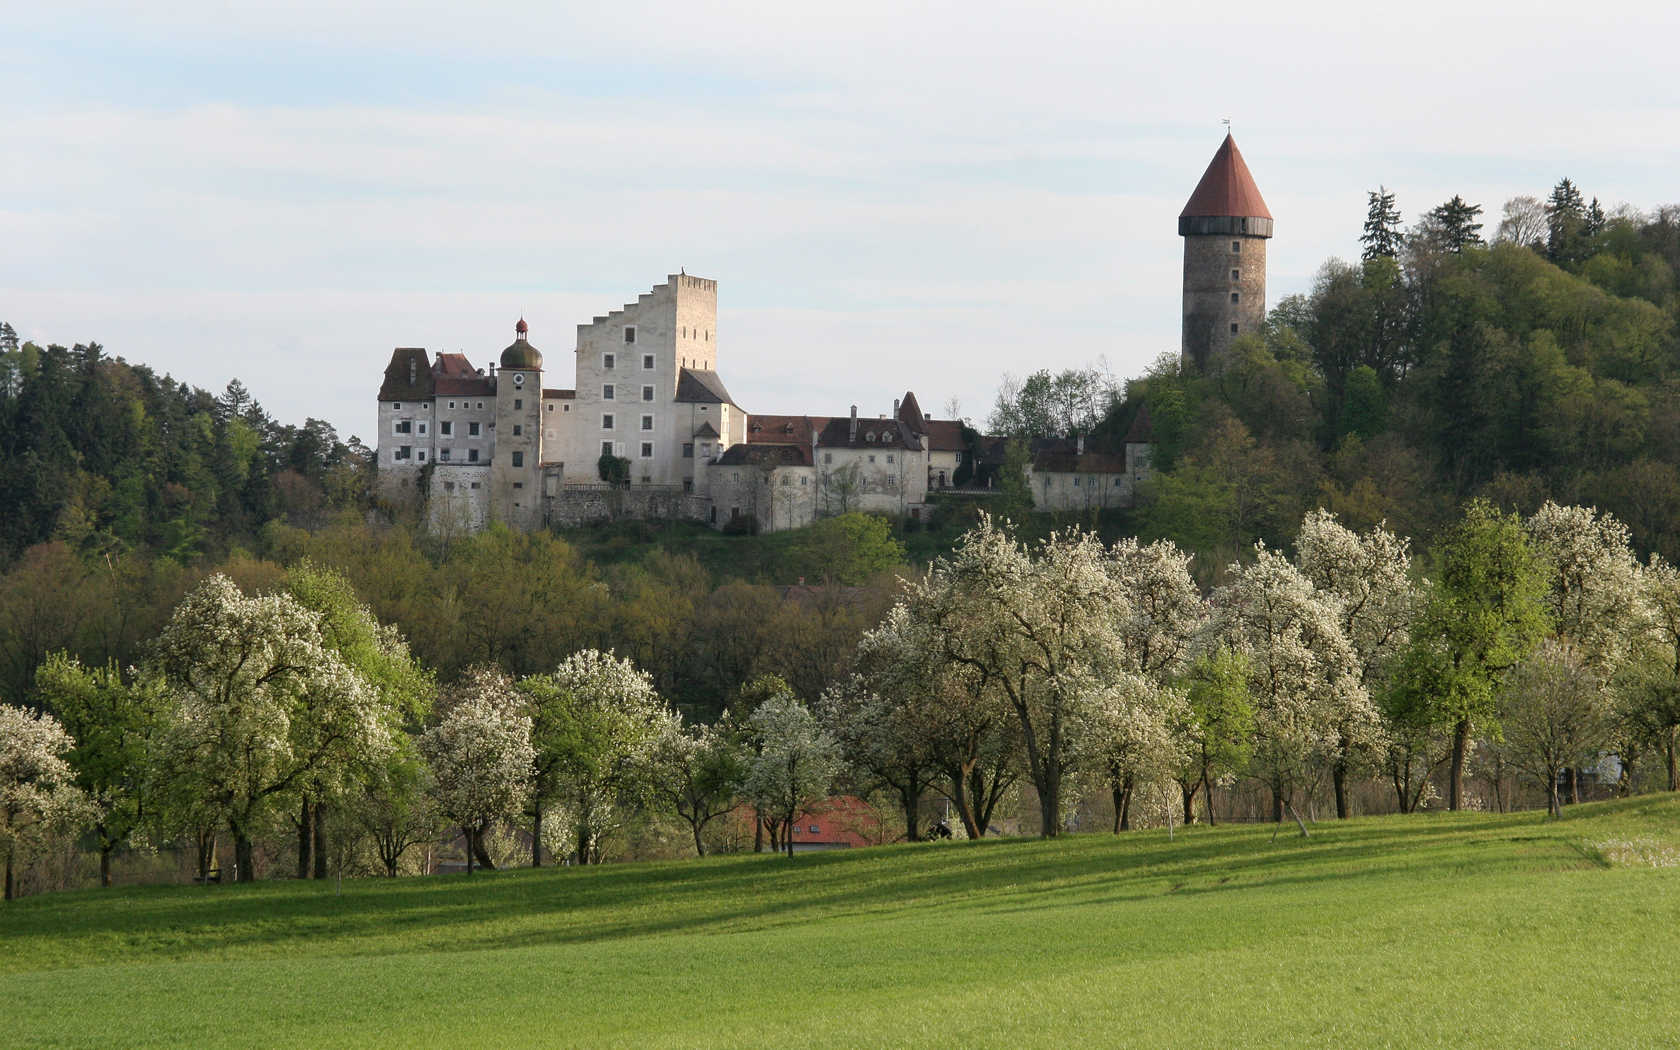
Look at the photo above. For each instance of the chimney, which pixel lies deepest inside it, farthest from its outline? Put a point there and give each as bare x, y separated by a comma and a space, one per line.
1079, 444
895, 408
852, 439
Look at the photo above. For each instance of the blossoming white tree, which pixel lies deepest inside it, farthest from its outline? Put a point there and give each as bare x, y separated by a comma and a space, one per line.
1370, 575
596, 721
795, 764
259, 705
481, 756
1303, 673
37, 792
1594, 597
1036, 625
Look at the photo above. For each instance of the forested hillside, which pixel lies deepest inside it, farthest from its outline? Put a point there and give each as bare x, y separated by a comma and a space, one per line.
1435, 369
109, 456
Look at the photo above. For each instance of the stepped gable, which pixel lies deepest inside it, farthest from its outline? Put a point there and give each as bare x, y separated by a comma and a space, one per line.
409, 375
702, 386
1227, 190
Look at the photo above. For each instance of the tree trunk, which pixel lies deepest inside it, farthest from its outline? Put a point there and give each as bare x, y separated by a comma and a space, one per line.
242, 856
1126, 804
787, 835
1455, 778
305, 837
758, 832
206, 853
11, 889
1189, 793
320, 840
699, 846
1277, 804
536, 836
965, 810
581, 857
913, 816
1207, 797
478, 849
1673, 755
466, 834
1338, 776
1554, 805
1119, 806
1574, 787
105, 848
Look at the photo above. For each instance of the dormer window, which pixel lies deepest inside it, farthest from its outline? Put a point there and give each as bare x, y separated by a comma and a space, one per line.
869, 436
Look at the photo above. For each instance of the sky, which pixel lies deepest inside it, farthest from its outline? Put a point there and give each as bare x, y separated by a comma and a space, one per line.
891, 196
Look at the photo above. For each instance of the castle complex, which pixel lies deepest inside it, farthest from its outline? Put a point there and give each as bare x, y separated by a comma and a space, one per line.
648, 428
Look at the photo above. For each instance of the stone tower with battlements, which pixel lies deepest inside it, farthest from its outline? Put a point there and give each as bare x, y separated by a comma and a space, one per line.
1225, 226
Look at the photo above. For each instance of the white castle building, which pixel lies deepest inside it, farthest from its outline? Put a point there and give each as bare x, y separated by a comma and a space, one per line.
472, 445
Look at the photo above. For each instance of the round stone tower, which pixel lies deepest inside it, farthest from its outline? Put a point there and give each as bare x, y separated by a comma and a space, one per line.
1225, 227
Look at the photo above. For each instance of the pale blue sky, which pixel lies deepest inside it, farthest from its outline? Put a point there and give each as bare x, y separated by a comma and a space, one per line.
890, 195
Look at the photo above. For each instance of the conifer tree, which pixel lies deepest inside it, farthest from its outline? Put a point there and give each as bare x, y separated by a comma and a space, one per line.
1453, 225
1566, 220
1382, 226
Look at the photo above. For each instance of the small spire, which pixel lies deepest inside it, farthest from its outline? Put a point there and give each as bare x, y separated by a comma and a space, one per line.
521, 328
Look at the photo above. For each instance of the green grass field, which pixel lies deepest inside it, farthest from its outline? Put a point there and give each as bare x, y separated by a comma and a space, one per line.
1436, 930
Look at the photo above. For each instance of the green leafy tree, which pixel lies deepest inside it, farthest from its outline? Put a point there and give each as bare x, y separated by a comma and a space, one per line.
113, 719
1485, 613
1218, 728
849, 549
698, 772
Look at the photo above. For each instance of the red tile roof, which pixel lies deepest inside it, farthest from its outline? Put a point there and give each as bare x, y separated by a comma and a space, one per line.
1227, 188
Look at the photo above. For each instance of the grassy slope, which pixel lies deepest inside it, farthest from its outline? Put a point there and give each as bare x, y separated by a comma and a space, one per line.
1423, 931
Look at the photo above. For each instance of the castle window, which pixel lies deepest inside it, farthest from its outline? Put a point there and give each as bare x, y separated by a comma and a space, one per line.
607, 392
422, 455
1233, 328
892, 480
446, 428
1236, 275
551, 408
451, 404
472, 457
449, 486
804, 480
472, 429
871, 458
519, 459
1236, 247
1076, 481
889, 457
1116, 482
474, 485
518, 484
404, 452
609, 361
688, 485
422, 428
443, 454
629, 333
402, 426
828, 457
607, 421
647, 361
647, 422
688, 450
606, 448
647, 393
647, 450
396, 406
518, 403
518, 430
481, 405
1235, 296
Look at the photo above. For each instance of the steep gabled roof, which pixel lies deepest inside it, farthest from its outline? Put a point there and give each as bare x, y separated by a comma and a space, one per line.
911, 412
700, 385
408, 377
1227, 189
1141, 431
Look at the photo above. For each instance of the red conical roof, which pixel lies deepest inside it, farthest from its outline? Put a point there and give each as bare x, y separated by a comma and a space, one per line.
1226, 189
